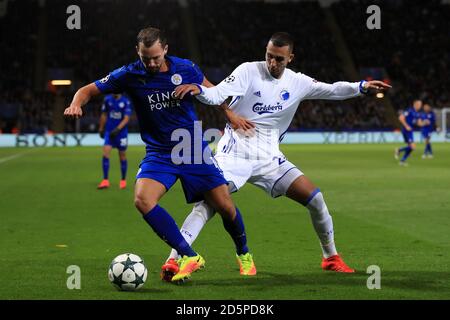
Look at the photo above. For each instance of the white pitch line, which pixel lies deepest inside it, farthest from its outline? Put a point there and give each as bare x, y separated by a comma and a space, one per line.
14, 156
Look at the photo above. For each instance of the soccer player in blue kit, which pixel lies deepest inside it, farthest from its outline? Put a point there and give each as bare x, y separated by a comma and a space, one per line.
409, 120
113, 127
150, 82
429, 125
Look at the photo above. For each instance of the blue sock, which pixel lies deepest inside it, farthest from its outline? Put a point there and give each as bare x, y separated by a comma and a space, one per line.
406, 154
105, 163
123, 168
166, 228
403, 149
428, 149
236, 230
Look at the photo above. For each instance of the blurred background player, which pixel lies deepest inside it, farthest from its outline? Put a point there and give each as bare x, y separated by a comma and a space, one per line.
428, 126
409, 119
116, 112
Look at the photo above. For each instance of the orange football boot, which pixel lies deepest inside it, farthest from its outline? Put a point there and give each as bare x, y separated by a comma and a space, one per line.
104, 184
335, 263
169, 269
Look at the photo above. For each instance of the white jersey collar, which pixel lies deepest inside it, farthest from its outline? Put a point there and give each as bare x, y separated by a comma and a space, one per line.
271, 78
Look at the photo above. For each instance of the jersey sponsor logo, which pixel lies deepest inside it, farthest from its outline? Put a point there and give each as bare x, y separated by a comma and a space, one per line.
115, 115
163, 100
105, 79
284, 95
261, 108
176, 79
229, 79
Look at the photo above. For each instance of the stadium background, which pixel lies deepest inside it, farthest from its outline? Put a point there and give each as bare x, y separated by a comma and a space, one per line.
411, 51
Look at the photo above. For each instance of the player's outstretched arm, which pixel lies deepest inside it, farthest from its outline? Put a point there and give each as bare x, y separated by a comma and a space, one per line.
81, 97
342, 89
376, 85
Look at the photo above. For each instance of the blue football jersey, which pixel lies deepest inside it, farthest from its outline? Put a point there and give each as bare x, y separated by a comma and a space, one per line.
116, 110
431, 118
411, 117
158, 112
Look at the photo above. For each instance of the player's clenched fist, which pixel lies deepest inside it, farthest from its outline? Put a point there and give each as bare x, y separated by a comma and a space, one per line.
73, 112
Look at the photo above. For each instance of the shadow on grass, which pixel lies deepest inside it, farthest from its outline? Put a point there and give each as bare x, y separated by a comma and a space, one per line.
405, 280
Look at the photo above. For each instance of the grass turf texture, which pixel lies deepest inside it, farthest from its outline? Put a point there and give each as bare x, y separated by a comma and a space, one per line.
386, 215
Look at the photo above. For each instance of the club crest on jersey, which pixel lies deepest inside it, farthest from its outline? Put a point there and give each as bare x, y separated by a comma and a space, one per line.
105, 79
121, 105
257, 93
261, 108
284, 95
176, 79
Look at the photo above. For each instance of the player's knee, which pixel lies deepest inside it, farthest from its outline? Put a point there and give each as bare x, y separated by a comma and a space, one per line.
144, 204
413, 146
122, 156
226, 209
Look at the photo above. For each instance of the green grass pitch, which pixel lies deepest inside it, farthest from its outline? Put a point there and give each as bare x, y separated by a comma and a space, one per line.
394, 217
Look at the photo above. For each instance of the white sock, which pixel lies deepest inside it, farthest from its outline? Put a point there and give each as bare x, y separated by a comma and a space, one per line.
323, 224
193, 224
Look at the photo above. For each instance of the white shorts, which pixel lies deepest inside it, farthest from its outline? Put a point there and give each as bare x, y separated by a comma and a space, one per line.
273, 176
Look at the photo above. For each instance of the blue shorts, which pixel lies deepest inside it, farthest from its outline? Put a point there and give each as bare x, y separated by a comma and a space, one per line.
120, 141
408, 136
196, 179
426, 134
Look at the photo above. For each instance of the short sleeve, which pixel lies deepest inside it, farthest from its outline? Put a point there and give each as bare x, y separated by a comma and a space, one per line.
197, 74
114, 82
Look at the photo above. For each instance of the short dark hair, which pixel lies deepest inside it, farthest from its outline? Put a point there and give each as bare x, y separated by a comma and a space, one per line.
281, 39
148, 36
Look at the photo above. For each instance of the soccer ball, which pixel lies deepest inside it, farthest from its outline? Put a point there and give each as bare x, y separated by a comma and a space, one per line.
127, 272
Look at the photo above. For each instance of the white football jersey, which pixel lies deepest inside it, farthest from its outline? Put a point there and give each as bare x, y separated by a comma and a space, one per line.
269, 103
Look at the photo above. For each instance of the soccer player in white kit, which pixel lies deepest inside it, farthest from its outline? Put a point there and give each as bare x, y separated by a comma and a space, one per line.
267, 94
